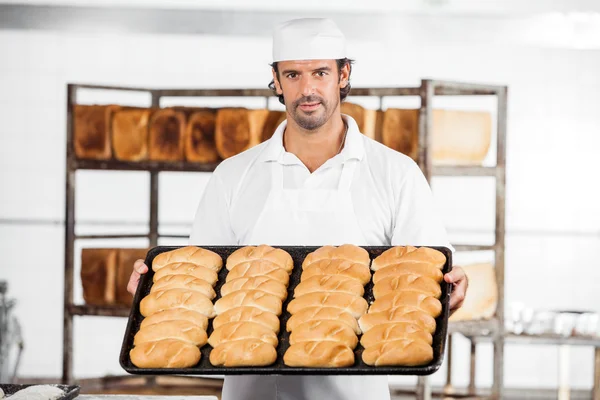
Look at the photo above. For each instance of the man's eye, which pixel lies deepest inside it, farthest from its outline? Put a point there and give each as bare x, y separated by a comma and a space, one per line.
321, 73
291, 76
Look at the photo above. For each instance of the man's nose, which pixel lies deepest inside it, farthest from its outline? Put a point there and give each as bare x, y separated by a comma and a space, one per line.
308, 86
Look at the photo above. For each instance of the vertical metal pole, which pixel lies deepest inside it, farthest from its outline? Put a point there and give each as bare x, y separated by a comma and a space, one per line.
448, 387
425, 124
154, 190
473, 367
596, 388
69, 245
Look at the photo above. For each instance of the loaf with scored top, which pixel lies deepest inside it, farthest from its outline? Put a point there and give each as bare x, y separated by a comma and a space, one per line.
329, 283
262, 252
167, 353
243, 353
404, 254
424, 269
353, 270
249, 314
176, 314
176, 298
189, 254
348, 252
254, 268
318, 313
412, 282
324, 330
354, 305
400, 314
401, 352
394, 331
186, 268
407, 298
242, 330
179, 330
261, 283
249, 298
319, 354
184, 282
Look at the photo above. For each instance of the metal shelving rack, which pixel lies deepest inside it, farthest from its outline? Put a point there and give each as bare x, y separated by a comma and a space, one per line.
426, 91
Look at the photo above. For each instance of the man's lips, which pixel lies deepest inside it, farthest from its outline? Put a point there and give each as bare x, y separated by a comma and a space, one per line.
309, 106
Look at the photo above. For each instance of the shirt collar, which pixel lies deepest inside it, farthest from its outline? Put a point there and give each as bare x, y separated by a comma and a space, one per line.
353, 148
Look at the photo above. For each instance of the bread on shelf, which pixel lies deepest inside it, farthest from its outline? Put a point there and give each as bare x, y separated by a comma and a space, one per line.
126, 257
200, 145
129, 134
365, 118
166, 135
233, 131
272, 122
98, 275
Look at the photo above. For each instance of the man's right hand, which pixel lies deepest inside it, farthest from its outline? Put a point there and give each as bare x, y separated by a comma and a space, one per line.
139, 268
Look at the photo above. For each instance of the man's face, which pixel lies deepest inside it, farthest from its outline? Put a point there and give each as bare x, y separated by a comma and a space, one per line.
311, 90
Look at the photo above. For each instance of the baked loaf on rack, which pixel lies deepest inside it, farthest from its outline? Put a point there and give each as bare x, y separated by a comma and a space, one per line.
400, 131
91, 131
129, 134
166, 132
200, 143
365, 118
98, 273
238, 129
272, 122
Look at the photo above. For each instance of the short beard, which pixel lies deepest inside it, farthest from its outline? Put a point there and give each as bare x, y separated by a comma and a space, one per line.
310, 122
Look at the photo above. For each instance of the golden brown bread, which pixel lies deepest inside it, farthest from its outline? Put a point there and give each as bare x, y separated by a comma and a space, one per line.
187, 269
176, 314
329, 283
400, 314
168, 353
242, 330
400, 131
356, 271
262, 283
406, 254
323, 314
348, 252
189, 254
91, 126
254, 268
389, 332
365, 118
166, 131
185, 331
98, 274
324, 330
249, 298
250, 314
125, 259
354, 305
234, 131
413, 282
184, 282
176, 298
200, 143
262, 252
243, 353
423, 269
274, 119
129, 134
319, 354
391, 256
407, 298
401, 352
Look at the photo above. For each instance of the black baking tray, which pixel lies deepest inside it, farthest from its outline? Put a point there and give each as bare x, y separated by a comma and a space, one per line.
298, 253
70, 391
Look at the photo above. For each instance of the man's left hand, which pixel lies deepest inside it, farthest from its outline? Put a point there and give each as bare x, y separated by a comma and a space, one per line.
458, 279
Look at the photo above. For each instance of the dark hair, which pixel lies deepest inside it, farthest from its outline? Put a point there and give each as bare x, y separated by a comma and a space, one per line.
341, 63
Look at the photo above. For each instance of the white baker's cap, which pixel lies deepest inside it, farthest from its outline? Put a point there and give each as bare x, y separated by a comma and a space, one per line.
308, 39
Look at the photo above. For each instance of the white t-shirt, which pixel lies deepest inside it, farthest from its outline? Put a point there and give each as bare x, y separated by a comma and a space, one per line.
392, 200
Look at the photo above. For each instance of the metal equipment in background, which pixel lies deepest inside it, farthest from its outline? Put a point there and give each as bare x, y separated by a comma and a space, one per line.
10, 337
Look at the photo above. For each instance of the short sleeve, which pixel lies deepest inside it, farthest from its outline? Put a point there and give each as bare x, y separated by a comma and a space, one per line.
417, 221
212, 223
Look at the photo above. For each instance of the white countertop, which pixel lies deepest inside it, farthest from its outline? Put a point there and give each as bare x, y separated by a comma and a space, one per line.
140, 397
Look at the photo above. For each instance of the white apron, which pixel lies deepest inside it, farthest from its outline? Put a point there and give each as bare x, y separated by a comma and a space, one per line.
307, 217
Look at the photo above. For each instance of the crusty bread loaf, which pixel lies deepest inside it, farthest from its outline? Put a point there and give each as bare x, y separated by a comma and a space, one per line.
185, 331
411, 282
176, 314
243, 353
388, 332
129, 134
236, 131
407, 298
176, 298
125, 260
406, 254
168, 353
400, 131
274, 119
350, 269
354, 305
98, 273
91, 131
262, 252
365, 118
324, 330
187, 269
401, 352
166, 131
191, 254
249, 314
391, 256
200, 143
318, 354
329, 283
242, 330
347, 252
424, 269
249, 298
400, 314
322, 314
254, 268
184, 282
261, 283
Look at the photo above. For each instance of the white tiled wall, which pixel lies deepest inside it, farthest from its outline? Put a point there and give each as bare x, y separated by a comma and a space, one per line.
553, 216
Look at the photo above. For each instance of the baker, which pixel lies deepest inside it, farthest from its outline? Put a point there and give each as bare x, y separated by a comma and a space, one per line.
317, 181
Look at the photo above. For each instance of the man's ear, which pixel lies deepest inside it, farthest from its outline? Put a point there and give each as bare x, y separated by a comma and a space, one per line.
276, 81
344, 76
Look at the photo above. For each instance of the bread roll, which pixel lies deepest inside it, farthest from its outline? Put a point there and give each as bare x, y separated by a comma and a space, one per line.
166, 132
125, 260
389, 332
329, 283
129, 134
406, 254
200, 143
325, 330
248, 314
400, 131
176, 314
262, 252
168, 353
413, 282
406, 298
91, 131
354, 305
356, 271
242, 330
401, 352
250, 269
98, 274
243, 353
249, 298
176, 298
178, 330
237, 130
274, 119
261, 283
409, 268
400, 314
391, 256
319, 355
348, 252
184, 282
322, 314
189, 254
187, 269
